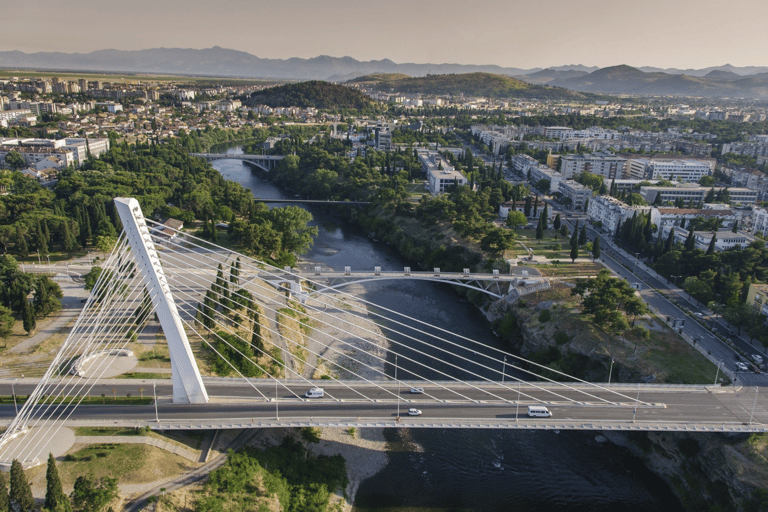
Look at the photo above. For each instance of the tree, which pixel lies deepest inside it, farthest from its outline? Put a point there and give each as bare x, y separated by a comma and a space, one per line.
557, 223
583, 235
596, 248
4, 505
527, 207
55, 499
292, 222
21, 494
635, 307
536, 205
91, 496
711, 248
540, 229
28, 318
545, 217
6, 329
574, 252
515, 219
735, 228
15, 160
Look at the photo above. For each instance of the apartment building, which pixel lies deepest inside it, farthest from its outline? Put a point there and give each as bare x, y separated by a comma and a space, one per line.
687, 171
554, 178
609, 211
576, 193
523, 163
670, 218
440, 174
605, 164
757, 297
693, 194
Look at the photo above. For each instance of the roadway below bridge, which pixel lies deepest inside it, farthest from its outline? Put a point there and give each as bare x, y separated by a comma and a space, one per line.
469, 405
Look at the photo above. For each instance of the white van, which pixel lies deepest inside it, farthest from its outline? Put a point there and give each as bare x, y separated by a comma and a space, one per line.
315, 393
538, 411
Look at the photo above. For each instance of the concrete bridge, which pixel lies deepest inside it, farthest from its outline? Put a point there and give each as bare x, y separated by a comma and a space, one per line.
265, 162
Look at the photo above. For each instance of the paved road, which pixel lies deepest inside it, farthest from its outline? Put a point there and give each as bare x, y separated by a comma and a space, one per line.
624, 265
660, 405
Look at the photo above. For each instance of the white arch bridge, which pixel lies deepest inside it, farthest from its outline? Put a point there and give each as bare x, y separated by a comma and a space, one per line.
374, 364
265, 162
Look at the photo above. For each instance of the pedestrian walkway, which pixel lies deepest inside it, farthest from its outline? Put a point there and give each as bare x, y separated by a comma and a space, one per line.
193, 456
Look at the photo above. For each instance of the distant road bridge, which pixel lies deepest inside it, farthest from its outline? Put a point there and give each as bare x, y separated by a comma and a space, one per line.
488, 283
265, 162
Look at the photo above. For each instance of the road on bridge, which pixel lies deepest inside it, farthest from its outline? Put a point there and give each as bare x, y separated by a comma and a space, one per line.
672, 406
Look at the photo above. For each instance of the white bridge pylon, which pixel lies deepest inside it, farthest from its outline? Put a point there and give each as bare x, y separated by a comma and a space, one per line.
188, 384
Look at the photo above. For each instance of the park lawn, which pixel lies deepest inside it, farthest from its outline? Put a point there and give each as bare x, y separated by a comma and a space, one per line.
129, 463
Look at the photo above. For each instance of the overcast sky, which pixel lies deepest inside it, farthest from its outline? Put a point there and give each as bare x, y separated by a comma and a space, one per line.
514, 33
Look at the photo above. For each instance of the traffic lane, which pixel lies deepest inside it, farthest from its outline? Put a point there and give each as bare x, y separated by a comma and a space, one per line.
704, 410
385, 391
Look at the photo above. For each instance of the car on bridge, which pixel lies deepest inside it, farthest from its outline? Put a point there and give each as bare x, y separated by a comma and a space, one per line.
414, 412
417, 391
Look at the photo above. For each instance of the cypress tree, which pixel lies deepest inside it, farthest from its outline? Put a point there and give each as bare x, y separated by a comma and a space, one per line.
21, 494
670, 241
574, 252
536, 205
21, 242
55, 499
596, 248
557, 223
583, 235
4, 505
539, 229
575, 235
690, 242
527, 207
735, 228
711, 248
618, 228
29, 321
545, 217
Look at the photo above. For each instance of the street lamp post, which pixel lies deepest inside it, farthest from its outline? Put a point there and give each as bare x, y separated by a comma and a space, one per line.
277, 412
717, 373
634, 411
503, 369
13, 392
38, 257
675, 280
752, 414
635, 267
154, 392
517, 408
398, 390
610, 372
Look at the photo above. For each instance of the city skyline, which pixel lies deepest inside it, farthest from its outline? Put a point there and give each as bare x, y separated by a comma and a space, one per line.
682, 34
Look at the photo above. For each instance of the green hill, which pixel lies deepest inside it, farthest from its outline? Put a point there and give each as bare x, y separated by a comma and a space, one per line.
314, 93
468, 84
380, 77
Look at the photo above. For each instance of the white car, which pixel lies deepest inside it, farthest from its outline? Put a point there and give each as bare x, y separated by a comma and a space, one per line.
414, 412
741, 366
417, 391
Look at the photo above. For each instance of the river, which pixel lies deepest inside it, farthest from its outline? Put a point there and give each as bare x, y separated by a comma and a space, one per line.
479, 470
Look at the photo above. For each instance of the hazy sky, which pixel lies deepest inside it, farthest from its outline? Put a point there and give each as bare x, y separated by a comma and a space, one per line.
534, 33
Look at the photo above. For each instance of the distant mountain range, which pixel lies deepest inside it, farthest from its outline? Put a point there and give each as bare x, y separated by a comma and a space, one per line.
717, 81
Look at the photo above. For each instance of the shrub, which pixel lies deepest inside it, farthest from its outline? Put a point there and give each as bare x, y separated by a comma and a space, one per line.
545, 316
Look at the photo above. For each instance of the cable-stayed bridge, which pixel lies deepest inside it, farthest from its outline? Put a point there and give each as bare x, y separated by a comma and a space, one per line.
279, 333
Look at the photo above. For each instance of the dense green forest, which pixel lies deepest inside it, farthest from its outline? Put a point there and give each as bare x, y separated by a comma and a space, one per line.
313, 93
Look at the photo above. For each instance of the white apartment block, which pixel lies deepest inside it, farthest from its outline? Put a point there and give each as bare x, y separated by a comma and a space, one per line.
540, 172
687, 171
609, 211
725, 239
670, 218
440, 174
576, 192
759, 220
605, 164
523, 163
33, 155
693, 194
